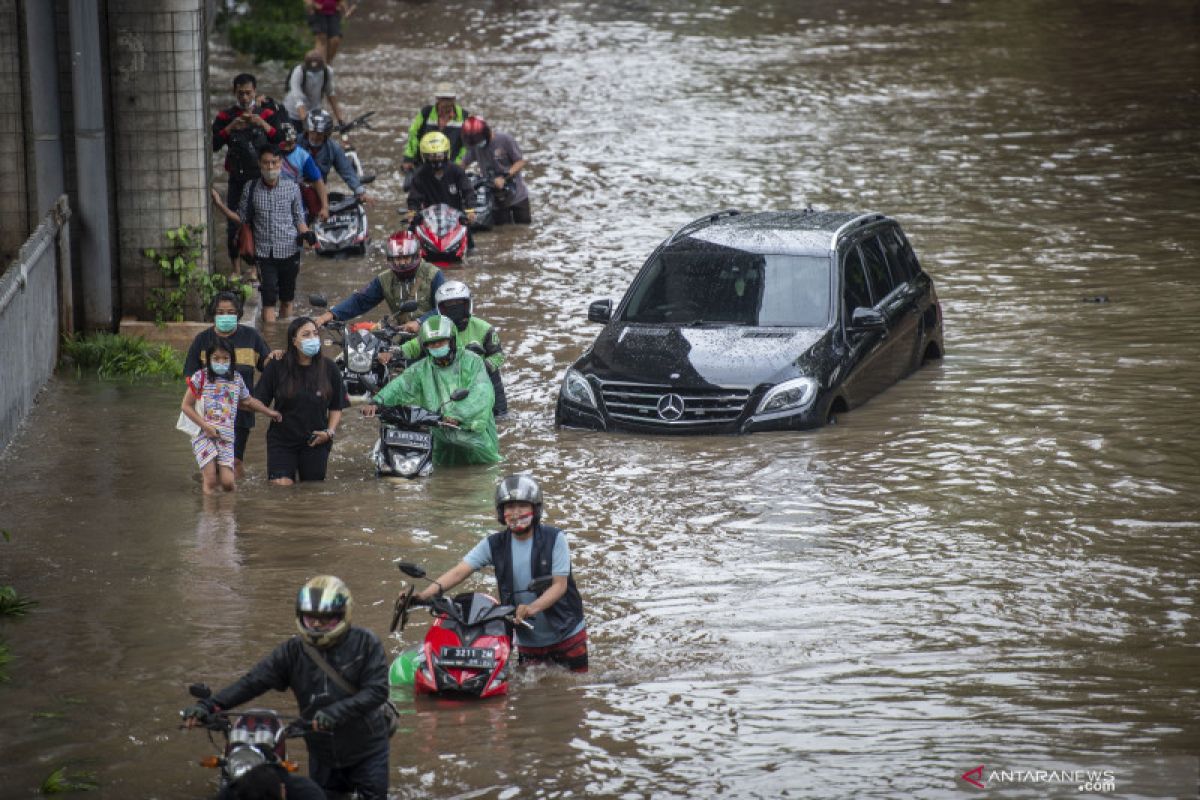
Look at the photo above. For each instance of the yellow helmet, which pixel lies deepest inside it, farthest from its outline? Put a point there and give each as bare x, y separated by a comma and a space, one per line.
324, 599
435, 147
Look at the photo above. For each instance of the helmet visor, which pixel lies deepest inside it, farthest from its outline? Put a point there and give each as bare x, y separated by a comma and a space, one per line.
320, 623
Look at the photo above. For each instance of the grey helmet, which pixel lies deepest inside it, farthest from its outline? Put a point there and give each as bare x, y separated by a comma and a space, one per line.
519, 489
319, 121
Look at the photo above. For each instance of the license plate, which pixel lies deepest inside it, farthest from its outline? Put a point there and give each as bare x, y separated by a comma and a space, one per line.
467, 658
418, 439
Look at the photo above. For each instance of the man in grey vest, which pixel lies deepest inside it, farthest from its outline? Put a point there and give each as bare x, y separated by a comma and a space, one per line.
406, 278
523, 551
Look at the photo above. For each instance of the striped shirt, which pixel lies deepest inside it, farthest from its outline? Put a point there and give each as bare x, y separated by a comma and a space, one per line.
278, 215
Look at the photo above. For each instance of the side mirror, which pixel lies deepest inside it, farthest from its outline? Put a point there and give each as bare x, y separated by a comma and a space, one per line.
540, 584
200, 691
410, 569
318, 301
407, 307
867, 319
459, 394
600, 311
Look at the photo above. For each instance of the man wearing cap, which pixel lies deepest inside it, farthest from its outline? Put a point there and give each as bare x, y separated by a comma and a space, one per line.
444, 116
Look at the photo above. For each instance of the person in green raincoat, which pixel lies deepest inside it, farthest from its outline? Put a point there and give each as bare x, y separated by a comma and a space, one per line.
453, 300
470, 435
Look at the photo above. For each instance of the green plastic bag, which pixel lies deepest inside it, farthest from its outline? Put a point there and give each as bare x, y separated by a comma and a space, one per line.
404, 667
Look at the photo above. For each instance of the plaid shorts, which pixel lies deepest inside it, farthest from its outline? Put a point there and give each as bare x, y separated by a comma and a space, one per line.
571, 653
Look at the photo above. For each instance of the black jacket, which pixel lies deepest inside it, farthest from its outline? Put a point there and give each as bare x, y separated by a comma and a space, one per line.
453, 188
360, 727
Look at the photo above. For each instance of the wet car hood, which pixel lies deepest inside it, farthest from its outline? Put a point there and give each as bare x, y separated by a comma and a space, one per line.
682, 356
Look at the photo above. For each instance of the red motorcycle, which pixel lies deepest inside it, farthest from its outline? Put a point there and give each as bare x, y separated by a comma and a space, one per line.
442, 232
467, 649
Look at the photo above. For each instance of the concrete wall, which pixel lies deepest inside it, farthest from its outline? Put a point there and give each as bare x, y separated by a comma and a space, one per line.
158, 86
14, 194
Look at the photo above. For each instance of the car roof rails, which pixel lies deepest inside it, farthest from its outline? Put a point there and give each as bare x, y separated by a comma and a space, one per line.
707, 219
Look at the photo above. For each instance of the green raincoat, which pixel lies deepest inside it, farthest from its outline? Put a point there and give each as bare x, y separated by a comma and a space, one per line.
427, 385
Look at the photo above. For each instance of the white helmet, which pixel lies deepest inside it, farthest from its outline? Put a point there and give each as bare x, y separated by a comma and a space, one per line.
456, 298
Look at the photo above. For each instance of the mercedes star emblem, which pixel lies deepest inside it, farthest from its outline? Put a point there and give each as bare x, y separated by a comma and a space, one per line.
670, 407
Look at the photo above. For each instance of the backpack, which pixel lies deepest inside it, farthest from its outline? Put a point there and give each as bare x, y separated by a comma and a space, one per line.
287, 84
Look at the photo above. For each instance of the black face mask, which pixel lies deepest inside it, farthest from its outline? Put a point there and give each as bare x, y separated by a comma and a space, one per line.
456, 313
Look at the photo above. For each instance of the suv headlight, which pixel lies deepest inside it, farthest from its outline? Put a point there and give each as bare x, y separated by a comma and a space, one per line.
794, 395
577, 390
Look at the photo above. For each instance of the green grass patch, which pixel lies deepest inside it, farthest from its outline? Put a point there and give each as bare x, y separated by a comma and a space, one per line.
62, 781
112, 355
5, 660
13, 604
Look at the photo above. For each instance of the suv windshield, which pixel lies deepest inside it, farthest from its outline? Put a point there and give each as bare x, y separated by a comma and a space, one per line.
706, 283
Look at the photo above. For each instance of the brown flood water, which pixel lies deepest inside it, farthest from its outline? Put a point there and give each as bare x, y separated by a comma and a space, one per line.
994, 563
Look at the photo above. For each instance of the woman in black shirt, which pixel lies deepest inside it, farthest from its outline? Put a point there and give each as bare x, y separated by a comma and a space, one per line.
307, 389
251, 352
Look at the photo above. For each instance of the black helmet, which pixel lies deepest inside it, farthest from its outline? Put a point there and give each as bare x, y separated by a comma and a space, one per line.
319, 121
519, 489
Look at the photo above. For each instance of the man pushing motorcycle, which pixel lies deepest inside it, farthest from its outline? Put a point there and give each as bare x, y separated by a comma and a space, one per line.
467, 434
339, 675
525, 550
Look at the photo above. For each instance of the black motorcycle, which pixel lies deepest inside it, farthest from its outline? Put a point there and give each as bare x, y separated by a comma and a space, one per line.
487, 200
252, 737
364, 373
405, 445
346, 231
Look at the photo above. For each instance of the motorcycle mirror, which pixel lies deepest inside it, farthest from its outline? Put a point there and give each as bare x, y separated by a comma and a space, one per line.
459, 394
540, 584
408, 306
200, 691
410, 569
318, 301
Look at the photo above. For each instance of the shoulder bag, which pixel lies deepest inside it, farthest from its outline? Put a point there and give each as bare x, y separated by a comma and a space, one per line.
391, 714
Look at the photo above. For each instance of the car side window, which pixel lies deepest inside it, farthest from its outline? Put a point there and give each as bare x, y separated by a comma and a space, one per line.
898, 262
905, 254
855, 291
877, 269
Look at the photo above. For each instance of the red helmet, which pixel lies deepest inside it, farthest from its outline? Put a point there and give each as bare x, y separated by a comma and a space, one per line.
403, 253
476, 130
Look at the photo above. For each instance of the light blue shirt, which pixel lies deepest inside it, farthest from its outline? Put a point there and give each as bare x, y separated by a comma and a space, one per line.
542, 634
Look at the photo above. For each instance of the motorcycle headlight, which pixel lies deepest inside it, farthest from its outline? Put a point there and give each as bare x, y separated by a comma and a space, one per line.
794, 395
405, 466
243, 760
576, 389
360, 362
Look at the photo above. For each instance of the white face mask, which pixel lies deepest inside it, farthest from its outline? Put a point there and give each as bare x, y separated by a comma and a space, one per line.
271, 175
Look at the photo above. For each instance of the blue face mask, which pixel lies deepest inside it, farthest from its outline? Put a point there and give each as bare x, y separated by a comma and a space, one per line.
310, 347
440, 352
225, 323
220, 367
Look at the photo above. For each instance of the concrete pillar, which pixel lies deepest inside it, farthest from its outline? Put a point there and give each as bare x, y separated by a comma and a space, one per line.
15, 218
45, 120
91, 163
157, 51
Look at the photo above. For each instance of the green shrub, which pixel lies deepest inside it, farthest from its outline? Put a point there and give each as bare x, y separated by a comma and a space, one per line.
112, 355
271, 30
180, 263
13, 604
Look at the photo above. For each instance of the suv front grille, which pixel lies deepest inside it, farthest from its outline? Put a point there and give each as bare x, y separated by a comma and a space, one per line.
655, 404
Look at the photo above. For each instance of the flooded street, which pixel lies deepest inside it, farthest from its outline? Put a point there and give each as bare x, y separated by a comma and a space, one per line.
993, 563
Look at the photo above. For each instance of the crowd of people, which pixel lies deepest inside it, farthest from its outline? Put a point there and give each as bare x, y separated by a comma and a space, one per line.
278, 157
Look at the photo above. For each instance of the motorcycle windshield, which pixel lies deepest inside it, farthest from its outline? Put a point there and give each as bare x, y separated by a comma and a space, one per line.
440, 219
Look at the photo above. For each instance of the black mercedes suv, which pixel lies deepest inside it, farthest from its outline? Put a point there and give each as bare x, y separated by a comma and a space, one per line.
765, 321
